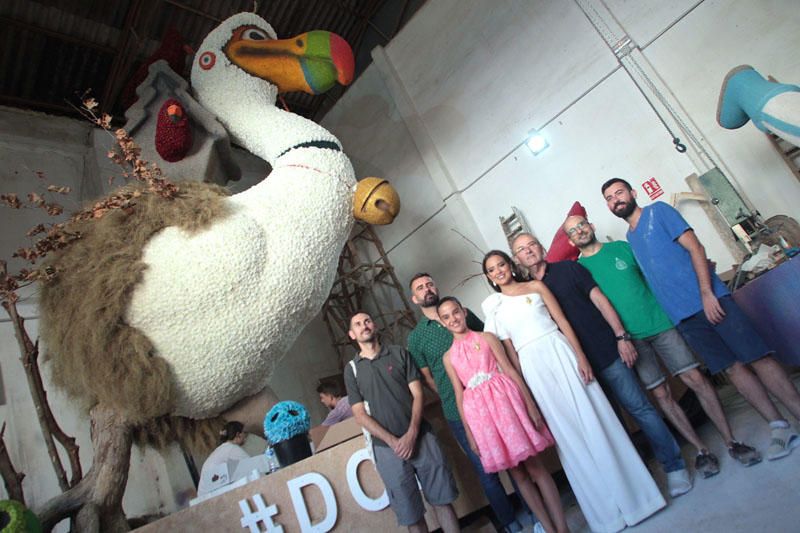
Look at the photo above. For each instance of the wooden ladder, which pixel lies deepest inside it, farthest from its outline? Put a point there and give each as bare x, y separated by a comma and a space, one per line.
513, 225
789, 152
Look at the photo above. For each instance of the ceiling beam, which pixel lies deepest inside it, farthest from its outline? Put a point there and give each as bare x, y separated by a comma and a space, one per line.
37, 105
190, 9
400, 24
140, 13
57, 35
365, 18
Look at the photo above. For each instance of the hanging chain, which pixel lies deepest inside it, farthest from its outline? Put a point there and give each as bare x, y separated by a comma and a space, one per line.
622, 47
680, 147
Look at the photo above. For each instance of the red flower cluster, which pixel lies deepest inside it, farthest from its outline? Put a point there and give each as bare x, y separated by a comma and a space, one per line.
173, 131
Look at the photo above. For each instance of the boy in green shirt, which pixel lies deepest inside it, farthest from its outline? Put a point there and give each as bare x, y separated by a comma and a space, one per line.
616, 272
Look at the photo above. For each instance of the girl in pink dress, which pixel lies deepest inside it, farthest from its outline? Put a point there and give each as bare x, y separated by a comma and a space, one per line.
503, 425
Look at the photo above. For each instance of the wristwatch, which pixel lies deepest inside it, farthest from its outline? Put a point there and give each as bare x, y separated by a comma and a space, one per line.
624, 337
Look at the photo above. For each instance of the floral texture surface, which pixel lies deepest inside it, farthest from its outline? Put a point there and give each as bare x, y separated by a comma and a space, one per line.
286, 420
223, 305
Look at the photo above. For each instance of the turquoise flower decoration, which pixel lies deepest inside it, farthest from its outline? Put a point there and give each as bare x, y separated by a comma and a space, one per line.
286, 420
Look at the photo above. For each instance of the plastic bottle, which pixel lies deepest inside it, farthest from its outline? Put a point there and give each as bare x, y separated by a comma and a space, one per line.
272, 461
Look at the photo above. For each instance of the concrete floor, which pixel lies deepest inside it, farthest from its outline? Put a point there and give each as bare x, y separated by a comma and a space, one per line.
762, 498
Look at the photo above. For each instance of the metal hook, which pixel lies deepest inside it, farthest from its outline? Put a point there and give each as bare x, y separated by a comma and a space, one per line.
680, 147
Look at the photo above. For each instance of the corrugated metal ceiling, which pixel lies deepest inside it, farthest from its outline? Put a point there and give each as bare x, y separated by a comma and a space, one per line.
53, 51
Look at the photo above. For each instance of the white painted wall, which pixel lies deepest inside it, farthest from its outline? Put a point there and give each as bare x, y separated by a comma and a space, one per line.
367, 122
482, 74
31, 143
693, 58
544, 187
645, 20
470, 78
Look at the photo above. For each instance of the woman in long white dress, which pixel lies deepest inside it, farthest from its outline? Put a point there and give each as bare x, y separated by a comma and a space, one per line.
613, 487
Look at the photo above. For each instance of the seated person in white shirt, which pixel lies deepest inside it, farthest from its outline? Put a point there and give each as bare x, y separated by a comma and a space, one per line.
230, 449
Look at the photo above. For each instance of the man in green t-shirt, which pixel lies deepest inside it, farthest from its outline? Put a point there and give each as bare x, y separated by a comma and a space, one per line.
616, 272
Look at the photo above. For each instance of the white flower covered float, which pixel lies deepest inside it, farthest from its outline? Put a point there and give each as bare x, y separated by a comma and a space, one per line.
160, 337
251, 282
217, 301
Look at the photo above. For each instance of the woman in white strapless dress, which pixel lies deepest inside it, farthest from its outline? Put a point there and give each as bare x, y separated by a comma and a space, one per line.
613, 487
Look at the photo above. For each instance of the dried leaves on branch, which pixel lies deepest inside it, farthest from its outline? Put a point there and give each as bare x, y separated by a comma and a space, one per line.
50, 237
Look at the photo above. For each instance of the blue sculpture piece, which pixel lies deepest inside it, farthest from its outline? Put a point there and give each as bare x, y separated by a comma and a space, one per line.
286, 420
773, 107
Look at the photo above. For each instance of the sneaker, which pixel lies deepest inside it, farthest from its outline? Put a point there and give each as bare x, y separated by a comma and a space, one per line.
743, 453
707, 464
538, 528
678, 482
783, 440
513, 527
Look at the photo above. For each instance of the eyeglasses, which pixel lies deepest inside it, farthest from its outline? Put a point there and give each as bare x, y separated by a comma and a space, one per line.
576, 228
531, 246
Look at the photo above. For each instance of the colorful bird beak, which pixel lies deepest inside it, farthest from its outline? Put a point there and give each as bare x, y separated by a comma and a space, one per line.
311, 62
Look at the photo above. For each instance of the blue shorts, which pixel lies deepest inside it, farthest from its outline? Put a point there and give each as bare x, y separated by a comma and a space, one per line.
721, 345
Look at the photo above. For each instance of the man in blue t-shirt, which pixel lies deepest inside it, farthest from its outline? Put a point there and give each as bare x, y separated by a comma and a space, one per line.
675, 265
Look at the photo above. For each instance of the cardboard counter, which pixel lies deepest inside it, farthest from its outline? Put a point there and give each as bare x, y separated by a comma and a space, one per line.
336, 489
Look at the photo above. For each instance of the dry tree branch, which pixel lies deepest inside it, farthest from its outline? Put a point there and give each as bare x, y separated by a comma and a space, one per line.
47, 422
468, 278
11, 477
468, 240
471, 276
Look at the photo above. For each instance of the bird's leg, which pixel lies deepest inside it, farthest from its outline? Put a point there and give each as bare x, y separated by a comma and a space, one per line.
97, 498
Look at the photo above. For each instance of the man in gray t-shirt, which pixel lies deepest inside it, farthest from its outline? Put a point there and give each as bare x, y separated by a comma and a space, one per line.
386, 379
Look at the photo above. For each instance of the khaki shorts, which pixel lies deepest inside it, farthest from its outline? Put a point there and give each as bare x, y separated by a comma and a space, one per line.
400, 478
673, 351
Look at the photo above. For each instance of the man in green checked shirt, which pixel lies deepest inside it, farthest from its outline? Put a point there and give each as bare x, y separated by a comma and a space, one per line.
427, 343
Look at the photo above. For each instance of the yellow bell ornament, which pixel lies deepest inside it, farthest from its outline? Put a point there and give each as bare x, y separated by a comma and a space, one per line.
375, 202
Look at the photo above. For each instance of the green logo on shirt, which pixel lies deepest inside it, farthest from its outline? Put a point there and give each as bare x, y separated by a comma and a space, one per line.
620, 264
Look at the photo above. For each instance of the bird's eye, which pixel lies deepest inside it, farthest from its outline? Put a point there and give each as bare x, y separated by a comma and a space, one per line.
207, 60
255, 34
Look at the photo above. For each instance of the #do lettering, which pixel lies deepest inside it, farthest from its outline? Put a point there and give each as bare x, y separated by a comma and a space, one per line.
260, 514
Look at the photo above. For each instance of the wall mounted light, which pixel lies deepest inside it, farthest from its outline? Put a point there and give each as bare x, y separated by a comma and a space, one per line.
536, 142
